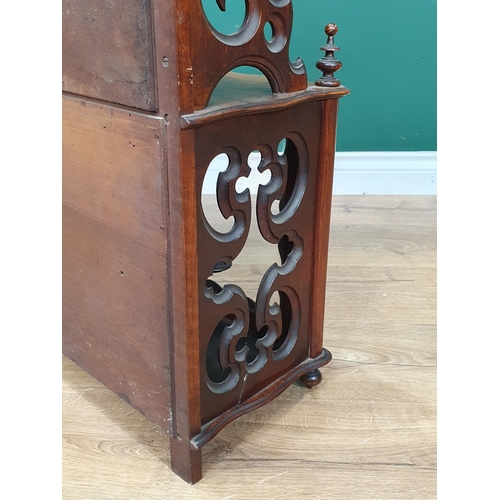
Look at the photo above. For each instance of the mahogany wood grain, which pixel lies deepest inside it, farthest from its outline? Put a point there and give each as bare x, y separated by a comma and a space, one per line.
171, 29
108, 51
226, 108
132, 207
114, 253
205, 55
186, 341
322, 224
300, 125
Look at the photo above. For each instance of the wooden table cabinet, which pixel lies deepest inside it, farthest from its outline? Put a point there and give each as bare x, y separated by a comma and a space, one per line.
147, 106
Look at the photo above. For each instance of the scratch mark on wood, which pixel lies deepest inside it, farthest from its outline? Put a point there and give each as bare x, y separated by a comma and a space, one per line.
242, 389
366, 440
272, 477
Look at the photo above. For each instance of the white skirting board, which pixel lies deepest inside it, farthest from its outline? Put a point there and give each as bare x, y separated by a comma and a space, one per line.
385, 173
357, 173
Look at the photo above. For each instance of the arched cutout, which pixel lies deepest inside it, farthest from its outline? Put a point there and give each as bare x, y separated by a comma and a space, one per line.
240, 85
227, 22
269, 31
294, 150
275, 33
282, 147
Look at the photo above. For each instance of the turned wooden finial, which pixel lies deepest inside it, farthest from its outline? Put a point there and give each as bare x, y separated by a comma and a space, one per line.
329, 64
331, 30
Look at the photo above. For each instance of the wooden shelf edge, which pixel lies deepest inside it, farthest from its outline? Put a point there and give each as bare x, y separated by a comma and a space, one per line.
214, 114
210, 430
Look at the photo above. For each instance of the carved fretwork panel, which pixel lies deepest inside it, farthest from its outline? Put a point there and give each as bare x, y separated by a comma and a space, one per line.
246, 342
221, 53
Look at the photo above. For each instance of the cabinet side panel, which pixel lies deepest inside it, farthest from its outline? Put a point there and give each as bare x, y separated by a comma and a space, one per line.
108, 51
115, 322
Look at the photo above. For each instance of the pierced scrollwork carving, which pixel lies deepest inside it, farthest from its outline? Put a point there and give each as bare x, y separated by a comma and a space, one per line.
230, 202
282, 321
250, 333
222, 361
246, 340
288, 184
279, 34
247, 47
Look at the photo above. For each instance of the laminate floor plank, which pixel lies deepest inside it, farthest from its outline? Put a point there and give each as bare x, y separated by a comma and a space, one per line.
368, 431
369, 342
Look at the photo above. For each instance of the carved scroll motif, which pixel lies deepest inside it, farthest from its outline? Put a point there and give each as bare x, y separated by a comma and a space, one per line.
247, 47
288, 183
249, 334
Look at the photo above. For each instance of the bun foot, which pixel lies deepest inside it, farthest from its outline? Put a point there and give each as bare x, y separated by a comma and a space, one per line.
311, 379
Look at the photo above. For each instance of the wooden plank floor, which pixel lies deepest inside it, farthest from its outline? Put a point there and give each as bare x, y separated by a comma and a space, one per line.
368, 431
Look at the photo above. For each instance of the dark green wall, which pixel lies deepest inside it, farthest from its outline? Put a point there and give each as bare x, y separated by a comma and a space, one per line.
388, 49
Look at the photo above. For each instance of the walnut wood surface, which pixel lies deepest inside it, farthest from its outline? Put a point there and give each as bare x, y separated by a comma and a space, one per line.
367, 431
114, 253
108, 51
